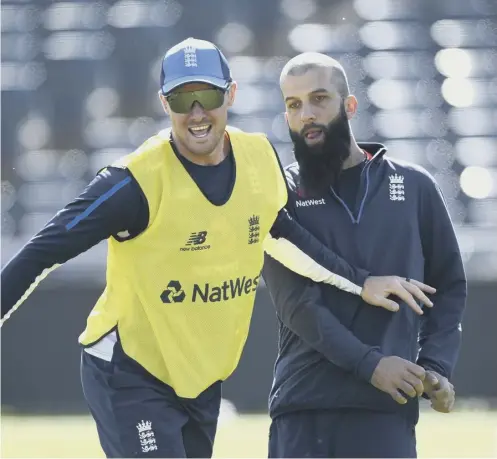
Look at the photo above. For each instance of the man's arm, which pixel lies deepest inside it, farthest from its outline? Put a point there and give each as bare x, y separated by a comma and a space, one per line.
440, 335
298, 250
110, 204
299, 306
311, 257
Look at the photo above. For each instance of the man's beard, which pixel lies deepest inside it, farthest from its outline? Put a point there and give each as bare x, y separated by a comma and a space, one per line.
321, 164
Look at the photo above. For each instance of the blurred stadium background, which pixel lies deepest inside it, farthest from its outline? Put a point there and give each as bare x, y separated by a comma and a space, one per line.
79, 83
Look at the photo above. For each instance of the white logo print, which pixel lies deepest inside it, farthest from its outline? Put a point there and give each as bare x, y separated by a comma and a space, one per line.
310, 202
397, 188
190, 56
147, 436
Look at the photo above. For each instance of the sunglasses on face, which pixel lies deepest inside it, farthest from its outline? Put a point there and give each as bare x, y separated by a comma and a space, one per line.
182, 102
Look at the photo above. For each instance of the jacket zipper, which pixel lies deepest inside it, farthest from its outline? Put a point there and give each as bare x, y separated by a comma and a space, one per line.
356, 221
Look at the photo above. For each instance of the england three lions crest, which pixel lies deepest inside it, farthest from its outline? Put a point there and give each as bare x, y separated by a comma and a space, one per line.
254, 229
396, 187
190, 56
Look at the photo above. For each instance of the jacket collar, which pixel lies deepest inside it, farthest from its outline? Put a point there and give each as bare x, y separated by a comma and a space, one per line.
377, 150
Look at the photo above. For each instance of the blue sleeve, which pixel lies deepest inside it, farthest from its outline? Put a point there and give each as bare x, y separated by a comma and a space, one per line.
112, 203
440, 335
299, 305
287, 228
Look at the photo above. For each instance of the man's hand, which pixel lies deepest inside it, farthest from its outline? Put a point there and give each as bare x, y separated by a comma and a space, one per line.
440, 391
394, 374
377, 289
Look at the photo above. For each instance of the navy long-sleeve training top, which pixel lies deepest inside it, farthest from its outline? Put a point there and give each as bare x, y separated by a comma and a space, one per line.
113, 205
389, 217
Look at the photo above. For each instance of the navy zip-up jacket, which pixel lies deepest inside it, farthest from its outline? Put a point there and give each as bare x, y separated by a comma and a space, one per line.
330, 341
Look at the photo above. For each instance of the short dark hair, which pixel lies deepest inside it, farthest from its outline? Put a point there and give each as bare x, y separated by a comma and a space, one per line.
308, 61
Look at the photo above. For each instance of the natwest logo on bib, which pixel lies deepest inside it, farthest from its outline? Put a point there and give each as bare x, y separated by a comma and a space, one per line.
209, 292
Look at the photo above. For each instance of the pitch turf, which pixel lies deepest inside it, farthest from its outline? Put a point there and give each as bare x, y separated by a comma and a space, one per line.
460, 434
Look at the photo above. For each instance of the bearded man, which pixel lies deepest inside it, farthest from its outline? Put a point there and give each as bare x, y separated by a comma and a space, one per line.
348, 376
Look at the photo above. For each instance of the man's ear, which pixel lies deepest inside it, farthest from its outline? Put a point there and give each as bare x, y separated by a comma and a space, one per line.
350, 104
232, 93
165, 104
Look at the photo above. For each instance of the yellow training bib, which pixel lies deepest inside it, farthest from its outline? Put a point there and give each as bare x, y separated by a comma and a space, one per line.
182, 292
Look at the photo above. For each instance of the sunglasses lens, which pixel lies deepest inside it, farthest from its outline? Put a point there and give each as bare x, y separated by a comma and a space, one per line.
181, 102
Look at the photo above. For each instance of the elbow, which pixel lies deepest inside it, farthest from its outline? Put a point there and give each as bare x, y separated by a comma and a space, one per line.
292, 308
287, 310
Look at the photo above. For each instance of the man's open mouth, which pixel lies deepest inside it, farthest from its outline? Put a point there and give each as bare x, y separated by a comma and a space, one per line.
200, 131
313, 134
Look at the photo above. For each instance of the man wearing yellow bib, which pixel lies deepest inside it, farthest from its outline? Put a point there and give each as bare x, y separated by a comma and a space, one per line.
187, 216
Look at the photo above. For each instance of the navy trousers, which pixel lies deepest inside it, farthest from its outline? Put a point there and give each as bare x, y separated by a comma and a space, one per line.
139, 416
341, 433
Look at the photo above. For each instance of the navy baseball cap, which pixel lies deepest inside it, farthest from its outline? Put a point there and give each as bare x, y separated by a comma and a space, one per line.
194, 61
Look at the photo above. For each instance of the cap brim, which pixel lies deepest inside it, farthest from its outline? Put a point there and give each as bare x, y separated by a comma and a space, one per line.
217, 82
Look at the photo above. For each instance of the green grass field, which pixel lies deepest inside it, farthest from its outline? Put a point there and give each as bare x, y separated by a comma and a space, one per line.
460, 434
